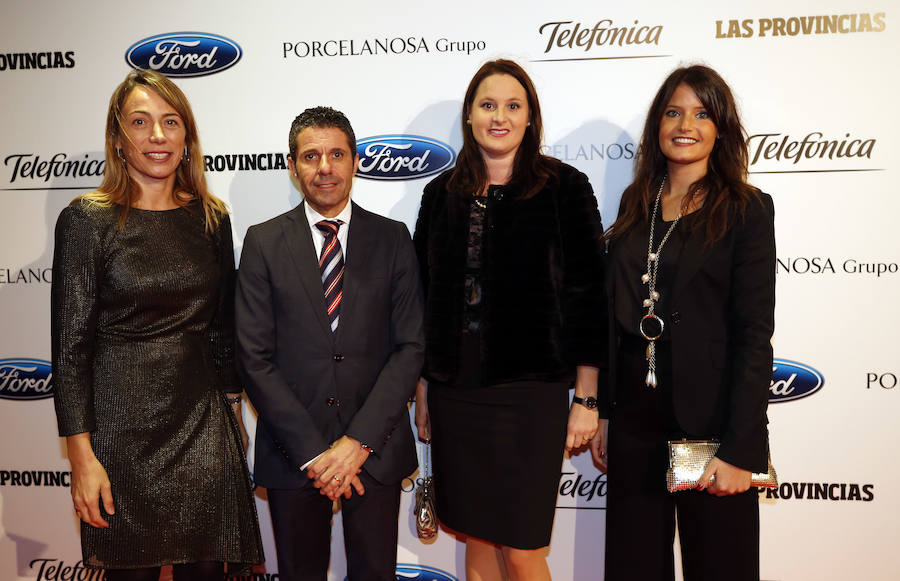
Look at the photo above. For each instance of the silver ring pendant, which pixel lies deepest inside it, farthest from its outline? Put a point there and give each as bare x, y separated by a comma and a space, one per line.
647, 335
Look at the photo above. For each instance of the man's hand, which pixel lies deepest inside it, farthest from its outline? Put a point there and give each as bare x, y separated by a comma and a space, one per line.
335, 471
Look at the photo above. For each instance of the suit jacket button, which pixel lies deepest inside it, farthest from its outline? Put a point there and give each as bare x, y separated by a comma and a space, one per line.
338, 357
330, 401
676, 317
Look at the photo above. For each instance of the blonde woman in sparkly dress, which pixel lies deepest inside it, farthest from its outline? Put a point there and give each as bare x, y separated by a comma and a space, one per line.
145, 390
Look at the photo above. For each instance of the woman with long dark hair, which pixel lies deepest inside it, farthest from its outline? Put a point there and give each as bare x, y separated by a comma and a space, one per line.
142, 339
691, 279
509, 248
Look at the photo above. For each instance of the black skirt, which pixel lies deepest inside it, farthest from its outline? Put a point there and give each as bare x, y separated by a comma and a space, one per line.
497, 454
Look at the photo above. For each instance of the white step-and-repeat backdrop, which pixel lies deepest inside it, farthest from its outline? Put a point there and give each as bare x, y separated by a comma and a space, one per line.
817, 84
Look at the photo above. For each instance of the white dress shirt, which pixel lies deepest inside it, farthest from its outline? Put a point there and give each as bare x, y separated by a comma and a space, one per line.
318, 238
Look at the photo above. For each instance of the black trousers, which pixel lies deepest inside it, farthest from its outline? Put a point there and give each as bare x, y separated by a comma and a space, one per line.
301, 523
719, 535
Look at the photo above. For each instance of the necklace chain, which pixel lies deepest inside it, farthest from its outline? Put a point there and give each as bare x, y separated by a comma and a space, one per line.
653, 260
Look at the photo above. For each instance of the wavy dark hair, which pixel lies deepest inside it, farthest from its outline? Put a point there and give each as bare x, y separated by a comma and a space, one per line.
531, 169
725, 190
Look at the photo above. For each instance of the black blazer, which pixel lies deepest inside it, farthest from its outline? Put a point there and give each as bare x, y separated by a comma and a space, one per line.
722, 316
309, 386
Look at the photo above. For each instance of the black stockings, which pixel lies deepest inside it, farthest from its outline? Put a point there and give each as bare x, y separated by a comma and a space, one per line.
202, 571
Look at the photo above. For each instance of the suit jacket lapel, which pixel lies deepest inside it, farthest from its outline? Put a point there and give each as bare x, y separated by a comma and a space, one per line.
303, 253
358, 238
692, 257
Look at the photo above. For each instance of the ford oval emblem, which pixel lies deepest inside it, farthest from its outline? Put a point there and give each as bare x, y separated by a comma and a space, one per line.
25, 379
409, 572
184, 54
402, 157
792, 380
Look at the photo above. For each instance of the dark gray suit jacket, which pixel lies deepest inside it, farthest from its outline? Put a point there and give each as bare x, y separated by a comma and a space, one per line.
311, 387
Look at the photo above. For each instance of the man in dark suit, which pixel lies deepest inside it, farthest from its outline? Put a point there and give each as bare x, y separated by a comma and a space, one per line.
330, 344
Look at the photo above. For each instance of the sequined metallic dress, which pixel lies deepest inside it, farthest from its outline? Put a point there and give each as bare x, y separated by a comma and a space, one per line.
142, 336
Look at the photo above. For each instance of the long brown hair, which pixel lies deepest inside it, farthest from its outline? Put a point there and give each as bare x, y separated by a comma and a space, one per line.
531, 169
117, 187
724, 187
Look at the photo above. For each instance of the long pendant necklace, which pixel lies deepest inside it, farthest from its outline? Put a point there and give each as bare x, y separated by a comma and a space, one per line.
651, 326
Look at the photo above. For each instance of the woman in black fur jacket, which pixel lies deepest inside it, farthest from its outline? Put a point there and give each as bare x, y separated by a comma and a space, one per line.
509, 248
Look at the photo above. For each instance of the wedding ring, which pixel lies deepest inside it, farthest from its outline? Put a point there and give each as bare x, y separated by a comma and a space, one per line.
337, 478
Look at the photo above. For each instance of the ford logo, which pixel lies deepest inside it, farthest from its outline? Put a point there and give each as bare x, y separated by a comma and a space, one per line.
184, 54
25, 379
402, 157
792, 380
407, 572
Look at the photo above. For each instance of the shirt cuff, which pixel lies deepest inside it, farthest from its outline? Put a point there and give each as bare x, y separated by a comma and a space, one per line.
305, 466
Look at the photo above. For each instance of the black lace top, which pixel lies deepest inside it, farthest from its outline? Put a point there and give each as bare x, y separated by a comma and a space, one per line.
470, 372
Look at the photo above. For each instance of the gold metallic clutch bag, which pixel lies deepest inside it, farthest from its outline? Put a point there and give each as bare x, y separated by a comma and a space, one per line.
688, 460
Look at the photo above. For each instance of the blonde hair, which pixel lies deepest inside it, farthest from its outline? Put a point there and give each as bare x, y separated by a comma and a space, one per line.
190, 181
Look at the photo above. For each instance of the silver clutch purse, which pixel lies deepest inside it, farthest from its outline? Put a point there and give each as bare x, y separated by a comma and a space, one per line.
688, 460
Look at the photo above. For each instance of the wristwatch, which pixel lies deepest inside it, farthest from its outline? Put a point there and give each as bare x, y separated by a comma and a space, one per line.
589, 402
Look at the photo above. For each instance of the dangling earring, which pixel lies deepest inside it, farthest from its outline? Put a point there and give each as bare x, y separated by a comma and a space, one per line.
121, 155
186, 157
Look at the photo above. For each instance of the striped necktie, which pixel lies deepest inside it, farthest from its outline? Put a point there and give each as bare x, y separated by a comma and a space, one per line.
331, 264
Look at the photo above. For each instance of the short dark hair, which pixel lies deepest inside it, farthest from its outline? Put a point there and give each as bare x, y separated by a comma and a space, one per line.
320, 117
